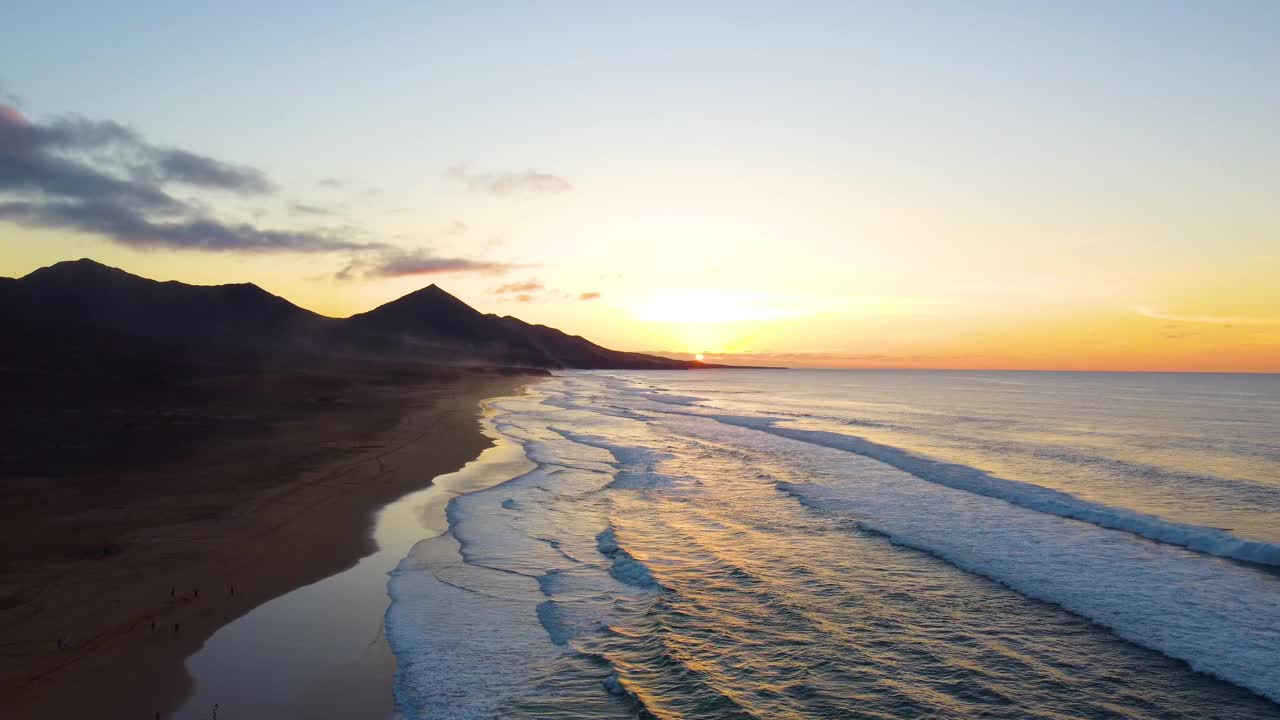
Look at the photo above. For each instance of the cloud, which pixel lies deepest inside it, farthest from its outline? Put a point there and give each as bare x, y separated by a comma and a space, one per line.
422, 263
394, 263
131, 228
508, 182
330, 183
10, 115
1155, 314
305, 209
101, 177
8, 97
593, 295
518, 287
106, 155
171, 165
524, 298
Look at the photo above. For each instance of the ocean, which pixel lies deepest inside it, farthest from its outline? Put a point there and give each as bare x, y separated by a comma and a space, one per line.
857, 544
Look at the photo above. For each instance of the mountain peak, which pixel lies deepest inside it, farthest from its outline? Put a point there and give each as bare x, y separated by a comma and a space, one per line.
83, 267
82, 303
432, 294
428, 310
434, 289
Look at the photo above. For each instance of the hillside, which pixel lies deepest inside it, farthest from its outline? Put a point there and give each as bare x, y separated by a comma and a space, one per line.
85, 315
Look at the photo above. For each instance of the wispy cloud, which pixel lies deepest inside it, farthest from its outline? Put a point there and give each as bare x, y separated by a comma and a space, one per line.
1155, 314
508, 182
396, 264
593, 295
529, 286
305, 209
8, 97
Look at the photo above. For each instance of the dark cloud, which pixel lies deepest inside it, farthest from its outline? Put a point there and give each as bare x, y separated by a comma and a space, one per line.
100, 177
129, 228
427, 264
508, 182
48, 163
593, 295
171, 165
394, 263
105, 154
518, 287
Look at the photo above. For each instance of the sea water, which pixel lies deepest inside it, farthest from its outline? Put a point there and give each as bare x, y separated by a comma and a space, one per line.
865, 544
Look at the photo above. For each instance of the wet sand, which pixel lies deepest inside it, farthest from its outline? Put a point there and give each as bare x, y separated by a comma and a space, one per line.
321, 651
110, 580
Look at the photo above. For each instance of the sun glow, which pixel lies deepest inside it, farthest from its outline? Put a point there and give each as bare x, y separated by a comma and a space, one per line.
714, 308
699, 357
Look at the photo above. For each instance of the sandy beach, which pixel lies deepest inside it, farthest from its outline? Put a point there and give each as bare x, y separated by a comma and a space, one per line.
192, 543
322, 651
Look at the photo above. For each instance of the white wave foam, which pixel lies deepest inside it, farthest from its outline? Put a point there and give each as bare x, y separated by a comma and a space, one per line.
467, 643
1220, 617
483, 617
625, 568
1213, 541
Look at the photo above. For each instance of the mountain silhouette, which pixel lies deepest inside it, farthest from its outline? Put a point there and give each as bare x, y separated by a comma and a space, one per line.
82, 313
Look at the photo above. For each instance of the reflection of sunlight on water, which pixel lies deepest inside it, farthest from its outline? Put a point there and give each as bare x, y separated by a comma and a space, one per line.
1184, 447
699, 569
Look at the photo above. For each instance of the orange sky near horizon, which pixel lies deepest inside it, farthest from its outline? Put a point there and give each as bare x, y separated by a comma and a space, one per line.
784, 331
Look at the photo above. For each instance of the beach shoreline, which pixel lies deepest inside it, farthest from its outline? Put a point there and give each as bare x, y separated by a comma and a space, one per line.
323, 651
248, 520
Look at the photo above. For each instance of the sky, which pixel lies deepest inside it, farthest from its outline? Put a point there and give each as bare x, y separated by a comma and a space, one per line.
1027, 185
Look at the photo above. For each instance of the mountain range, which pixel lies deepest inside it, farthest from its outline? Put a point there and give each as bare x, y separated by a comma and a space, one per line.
82, 315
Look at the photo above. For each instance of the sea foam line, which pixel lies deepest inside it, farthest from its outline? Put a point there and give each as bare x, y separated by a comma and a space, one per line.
1217, 617
1208, 540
